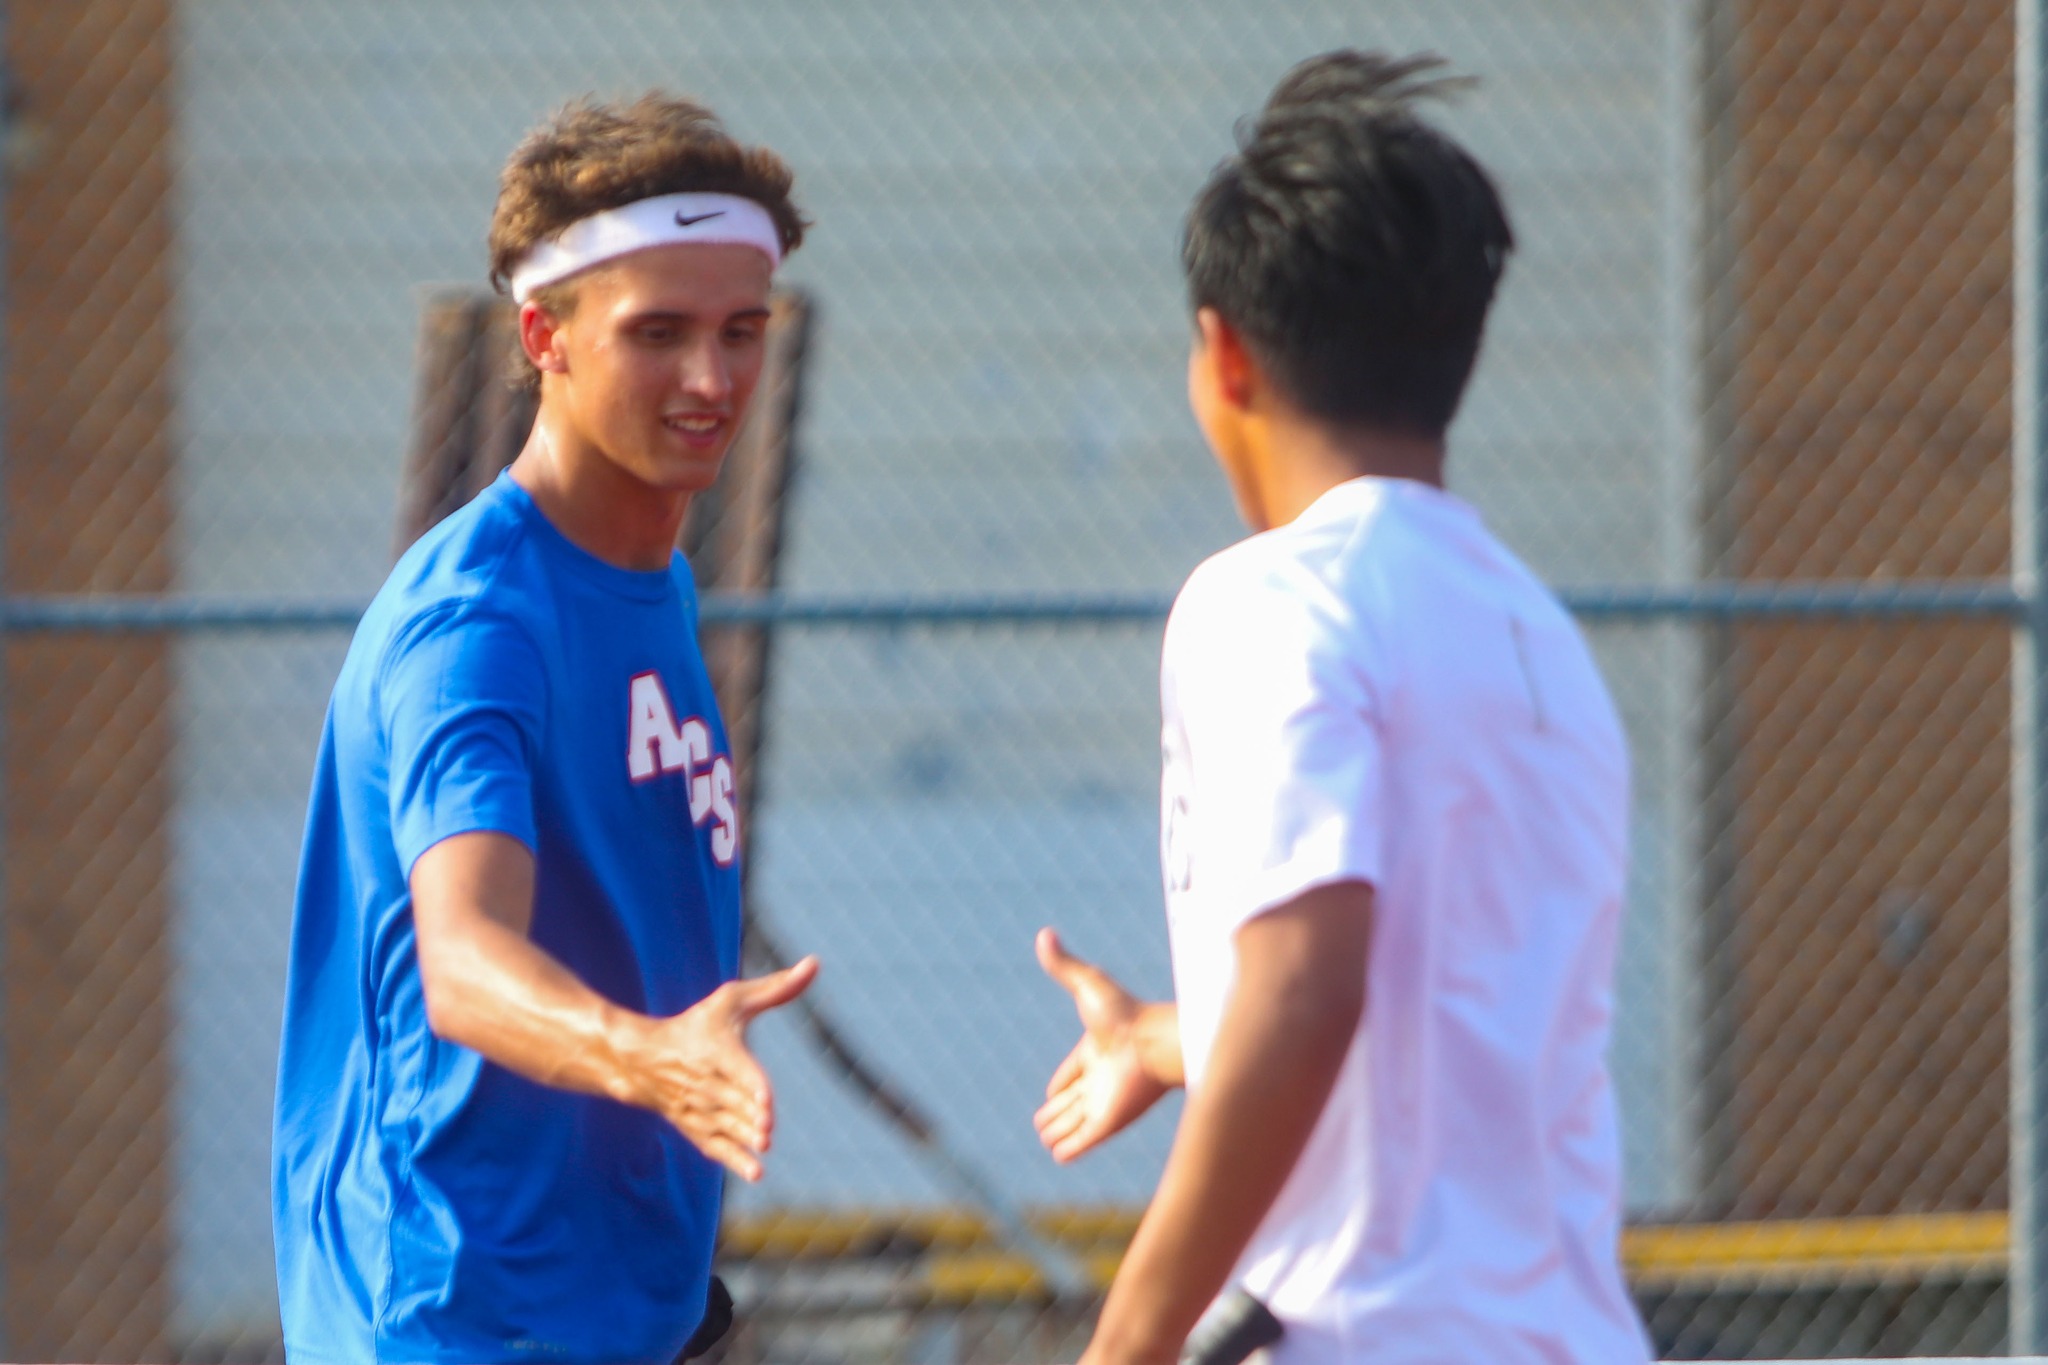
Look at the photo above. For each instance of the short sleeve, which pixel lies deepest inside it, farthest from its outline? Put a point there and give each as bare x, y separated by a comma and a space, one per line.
1273, 682
461, 698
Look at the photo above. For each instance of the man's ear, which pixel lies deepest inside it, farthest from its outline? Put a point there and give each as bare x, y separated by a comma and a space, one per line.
540, 337
1235, 371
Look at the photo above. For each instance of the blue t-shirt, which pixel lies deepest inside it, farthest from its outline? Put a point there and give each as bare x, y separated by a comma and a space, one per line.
429, 1205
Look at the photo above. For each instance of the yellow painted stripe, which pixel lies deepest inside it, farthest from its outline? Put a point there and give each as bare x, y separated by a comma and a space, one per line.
962, 1262
801, 1234
979, 1277
1816, 1249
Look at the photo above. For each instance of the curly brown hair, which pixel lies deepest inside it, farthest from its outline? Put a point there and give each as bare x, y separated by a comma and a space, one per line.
587, 157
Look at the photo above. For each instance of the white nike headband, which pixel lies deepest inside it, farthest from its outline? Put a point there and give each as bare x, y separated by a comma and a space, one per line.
723, 219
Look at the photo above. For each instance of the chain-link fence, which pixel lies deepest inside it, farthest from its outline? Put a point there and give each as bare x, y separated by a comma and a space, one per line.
1758, 331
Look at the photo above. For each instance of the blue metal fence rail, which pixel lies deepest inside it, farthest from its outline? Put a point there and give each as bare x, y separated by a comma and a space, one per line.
1995, 599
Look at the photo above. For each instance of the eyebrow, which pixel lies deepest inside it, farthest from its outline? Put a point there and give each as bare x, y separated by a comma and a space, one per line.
671, 314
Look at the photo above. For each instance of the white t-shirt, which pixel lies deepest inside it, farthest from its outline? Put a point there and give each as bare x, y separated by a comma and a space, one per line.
1381, 691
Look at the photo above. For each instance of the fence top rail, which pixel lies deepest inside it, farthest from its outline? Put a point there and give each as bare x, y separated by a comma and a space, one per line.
1801, 600
1869, 601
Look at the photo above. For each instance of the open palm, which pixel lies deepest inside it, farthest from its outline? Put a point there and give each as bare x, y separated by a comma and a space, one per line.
1103, 1084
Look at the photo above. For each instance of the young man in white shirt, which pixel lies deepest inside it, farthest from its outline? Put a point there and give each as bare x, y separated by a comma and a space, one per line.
1395, 808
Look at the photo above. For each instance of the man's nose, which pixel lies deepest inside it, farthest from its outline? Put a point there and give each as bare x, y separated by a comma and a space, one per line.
705, 376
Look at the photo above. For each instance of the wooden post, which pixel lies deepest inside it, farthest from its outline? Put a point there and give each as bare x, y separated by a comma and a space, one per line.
1872, 429
734, 538
89, 731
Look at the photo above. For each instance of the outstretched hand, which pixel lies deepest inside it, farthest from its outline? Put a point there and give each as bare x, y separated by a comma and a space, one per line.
1118, 1070
701, 1077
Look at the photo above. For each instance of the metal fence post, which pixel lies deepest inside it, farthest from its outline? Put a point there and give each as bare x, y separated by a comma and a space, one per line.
2029, 936
9, 113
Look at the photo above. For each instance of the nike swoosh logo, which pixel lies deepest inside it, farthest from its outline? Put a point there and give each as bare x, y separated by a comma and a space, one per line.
692, 222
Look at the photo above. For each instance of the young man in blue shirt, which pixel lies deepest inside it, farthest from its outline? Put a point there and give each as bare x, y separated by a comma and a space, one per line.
514, 1051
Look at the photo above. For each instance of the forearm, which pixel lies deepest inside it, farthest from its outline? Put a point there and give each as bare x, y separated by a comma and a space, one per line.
501, 995
1239, 1137
1286, 1028
488, 987
1158, 1037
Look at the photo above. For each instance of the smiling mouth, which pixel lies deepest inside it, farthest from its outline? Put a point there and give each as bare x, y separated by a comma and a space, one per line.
695, 424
